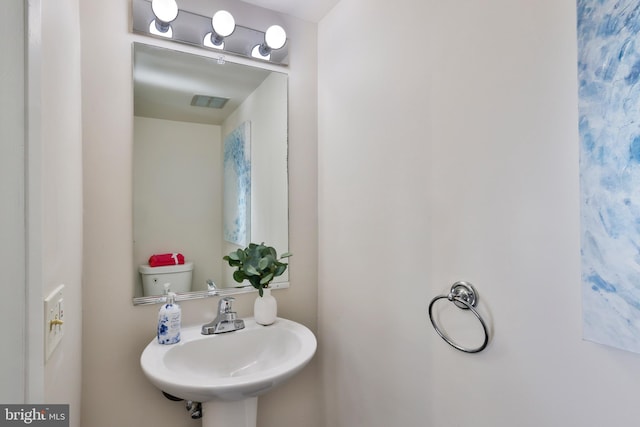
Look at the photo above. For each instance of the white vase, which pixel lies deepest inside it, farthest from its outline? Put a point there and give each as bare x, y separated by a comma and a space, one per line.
265, 309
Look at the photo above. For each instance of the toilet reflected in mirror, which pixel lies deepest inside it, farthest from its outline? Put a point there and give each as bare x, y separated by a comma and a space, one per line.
178, 277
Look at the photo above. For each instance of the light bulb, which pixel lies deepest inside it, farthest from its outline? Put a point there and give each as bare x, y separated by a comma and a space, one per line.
223, 23
165, 10
275, 37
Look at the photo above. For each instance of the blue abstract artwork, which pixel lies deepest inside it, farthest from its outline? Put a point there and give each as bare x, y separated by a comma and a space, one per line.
609, 127
236, 204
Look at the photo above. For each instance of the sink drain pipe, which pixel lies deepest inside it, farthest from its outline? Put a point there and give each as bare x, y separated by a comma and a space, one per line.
194, 408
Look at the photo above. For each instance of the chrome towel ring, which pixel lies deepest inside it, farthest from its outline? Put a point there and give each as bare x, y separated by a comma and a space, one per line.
464, 296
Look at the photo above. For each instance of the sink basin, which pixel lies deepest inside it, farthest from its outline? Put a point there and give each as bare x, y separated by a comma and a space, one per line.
233, 366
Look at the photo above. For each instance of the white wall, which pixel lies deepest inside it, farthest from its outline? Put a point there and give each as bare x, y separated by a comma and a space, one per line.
62, 193
449, 151
177, 182
12, 186
115, 392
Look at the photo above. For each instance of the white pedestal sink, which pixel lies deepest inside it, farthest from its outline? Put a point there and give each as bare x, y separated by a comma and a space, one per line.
227, 372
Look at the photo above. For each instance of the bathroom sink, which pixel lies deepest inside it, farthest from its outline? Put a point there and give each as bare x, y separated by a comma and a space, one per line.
232, 366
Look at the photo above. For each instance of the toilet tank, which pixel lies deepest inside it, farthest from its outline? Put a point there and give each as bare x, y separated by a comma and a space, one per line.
154, 278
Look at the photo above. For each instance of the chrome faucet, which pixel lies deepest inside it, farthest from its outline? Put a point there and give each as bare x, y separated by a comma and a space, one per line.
225, 321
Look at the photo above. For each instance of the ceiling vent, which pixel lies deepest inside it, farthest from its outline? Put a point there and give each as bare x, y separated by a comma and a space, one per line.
208, 101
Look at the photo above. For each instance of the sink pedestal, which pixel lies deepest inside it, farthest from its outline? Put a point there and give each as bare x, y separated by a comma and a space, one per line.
239, 413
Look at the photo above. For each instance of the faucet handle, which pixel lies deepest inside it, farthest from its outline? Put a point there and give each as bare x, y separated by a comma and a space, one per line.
224, 305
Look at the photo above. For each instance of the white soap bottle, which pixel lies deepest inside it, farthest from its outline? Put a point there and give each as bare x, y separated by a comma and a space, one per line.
169, 319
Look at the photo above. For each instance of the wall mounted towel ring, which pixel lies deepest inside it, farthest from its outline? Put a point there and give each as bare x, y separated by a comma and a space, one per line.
464, 296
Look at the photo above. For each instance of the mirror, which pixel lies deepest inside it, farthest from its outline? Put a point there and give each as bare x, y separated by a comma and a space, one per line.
209, 163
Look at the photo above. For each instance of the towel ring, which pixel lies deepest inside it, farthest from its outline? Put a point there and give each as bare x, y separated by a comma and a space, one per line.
464, 296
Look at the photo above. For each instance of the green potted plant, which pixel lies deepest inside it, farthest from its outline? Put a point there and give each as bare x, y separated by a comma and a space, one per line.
259, 264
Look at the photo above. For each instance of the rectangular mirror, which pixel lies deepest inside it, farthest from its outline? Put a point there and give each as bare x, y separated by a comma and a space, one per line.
209, 165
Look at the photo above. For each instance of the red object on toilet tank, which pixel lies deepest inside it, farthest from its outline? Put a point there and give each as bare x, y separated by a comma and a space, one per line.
159, 260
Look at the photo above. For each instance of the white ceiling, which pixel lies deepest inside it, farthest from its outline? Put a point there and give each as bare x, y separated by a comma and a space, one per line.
308, 10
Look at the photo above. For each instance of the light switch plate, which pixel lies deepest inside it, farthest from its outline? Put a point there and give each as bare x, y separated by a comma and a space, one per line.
54, 320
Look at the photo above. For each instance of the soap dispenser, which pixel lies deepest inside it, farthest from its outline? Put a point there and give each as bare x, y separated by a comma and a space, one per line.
169, 319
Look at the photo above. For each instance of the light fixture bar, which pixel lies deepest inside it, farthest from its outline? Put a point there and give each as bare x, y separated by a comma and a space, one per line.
192, 29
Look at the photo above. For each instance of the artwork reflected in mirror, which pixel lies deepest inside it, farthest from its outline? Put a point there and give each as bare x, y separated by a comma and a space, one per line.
209, 167
236, 200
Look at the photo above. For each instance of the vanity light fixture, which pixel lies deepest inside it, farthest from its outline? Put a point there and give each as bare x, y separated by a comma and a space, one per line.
223, 25
165, 11
274, 38
221, 33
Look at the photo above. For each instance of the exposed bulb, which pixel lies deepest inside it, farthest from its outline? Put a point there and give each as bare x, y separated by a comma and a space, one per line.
165, 10
223, 23
275, 37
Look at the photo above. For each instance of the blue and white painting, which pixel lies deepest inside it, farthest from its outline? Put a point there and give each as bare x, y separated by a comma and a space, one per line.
236, 214
609, 107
